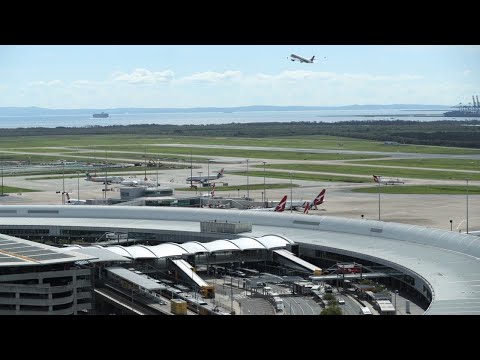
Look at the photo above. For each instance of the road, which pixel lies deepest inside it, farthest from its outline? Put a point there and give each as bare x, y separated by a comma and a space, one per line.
296, 305
351, 307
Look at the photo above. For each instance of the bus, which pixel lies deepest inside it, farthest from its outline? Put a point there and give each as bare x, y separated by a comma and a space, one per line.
364, 311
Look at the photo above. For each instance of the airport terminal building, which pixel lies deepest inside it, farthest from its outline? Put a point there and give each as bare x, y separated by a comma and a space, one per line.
37, 279
440, 268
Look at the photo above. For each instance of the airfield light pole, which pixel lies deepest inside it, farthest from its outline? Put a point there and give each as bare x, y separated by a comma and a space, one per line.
264, 189
291, 193
248, 191
451, 226
106, 175
94, 162
145, 162
379, 201
191, 170
208, 171
200, 175
63, 182
467, 204
78, 185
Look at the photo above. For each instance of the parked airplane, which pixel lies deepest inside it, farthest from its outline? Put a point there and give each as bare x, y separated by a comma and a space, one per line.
279, 208
387, 181
104, 179
204, 179
319, 199
294, 57
74, 201
135, 182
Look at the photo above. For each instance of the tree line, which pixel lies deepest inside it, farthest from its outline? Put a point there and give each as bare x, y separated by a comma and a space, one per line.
464, 133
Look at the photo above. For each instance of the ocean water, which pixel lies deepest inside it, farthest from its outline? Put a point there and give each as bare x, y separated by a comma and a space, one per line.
203, 118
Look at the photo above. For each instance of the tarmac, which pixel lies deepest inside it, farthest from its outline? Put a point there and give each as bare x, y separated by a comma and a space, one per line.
426, 210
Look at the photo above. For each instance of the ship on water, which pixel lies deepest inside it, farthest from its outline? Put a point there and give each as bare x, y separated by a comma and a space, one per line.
467, 110
101, 115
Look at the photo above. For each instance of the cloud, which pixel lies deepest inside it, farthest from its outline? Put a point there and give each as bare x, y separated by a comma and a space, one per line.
213, 77
81, 83
143, 76
467, 72
302, 75
290, 87
46, 83
294, 75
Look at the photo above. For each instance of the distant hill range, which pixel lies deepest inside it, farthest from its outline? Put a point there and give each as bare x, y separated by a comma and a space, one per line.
37, 111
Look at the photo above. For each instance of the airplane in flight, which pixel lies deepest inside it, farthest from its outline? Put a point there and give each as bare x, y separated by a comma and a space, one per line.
104, 179
319, 199
204, 179
279, 208
294, 57
387, 181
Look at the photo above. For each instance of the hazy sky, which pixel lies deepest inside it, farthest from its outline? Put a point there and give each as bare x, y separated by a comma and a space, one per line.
107, 76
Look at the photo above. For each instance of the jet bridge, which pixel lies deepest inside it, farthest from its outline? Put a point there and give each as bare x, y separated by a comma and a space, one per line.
288, 259
187, 272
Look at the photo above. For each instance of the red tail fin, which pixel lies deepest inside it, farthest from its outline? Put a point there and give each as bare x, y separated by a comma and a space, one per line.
375, 178
281, 205
320, 198
307, 207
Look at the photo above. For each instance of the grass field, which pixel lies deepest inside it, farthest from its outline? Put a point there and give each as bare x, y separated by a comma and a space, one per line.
95, 148
73, 175
425, 190
370, 170
154, 152
460, 164
12, 189
304, 142
304, 176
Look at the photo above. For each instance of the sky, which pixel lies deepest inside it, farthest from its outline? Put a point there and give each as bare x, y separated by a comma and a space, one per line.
183, 76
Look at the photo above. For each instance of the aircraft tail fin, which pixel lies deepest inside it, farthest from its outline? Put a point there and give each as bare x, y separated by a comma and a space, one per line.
313, 58
307, 207
281, 205
220, 174
376, 179
319, 199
